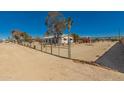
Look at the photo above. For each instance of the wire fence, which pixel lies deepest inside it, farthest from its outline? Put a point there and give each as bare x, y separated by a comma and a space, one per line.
59, 50
83, 51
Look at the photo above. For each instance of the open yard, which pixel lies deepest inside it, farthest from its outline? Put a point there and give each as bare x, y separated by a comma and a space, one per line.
22, 63
86, 52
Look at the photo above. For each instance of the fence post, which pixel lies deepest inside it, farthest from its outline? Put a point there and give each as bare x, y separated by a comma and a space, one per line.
59, 46
51, 46
30, 45
34, 47
45, 47
41, 46
69, 45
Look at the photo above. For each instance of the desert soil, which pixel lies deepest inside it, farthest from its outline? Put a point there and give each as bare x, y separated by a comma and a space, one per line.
22, 63
86, 52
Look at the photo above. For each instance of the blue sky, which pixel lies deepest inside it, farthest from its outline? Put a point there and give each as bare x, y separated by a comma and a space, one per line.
85, 23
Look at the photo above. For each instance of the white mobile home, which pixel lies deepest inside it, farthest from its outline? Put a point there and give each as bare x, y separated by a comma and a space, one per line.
63, 39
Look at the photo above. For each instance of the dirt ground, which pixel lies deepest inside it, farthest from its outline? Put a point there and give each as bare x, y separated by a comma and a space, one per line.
86, 52
22, 63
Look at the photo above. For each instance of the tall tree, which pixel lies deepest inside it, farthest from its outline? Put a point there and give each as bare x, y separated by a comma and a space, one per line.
56, 24
20, 36
69, 24
17, 35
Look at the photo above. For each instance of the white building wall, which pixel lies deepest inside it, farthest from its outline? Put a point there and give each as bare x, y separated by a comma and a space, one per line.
64, 40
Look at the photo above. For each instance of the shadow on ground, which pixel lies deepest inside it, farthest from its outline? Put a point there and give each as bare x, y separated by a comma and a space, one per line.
113, 58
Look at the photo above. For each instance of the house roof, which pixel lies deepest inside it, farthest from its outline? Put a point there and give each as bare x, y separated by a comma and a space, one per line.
52, 36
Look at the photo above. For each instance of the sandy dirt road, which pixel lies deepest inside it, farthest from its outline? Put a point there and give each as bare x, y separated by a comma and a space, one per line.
22, 63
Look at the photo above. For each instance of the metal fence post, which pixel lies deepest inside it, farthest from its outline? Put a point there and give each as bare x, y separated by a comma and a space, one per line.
51, 47
59, 46
45, 48
69, 45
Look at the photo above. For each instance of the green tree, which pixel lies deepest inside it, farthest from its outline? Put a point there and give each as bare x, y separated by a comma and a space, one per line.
26, 36
69, 24
17, 35
56, 24
21, 36
75, 37
38, 39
